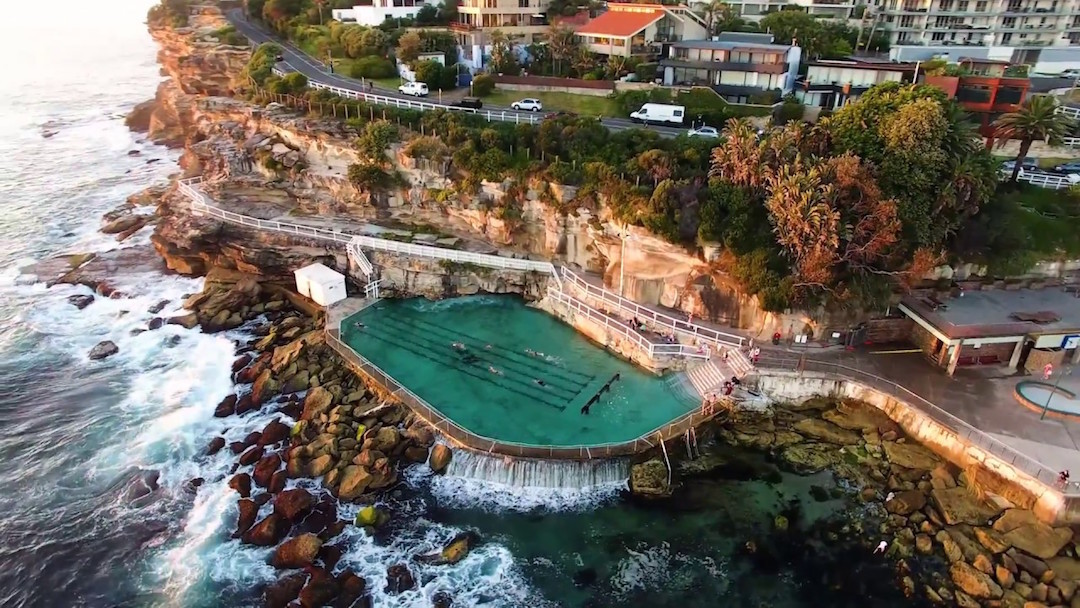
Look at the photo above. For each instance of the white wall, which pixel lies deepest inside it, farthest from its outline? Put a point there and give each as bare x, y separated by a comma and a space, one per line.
375, 15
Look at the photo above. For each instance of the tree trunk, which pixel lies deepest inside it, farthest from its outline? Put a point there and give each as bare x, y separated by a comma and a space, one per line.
1025, 145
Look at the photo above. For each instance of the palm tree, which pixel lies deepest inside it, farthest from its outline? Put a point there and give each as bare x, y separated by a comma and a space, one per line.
1035, 120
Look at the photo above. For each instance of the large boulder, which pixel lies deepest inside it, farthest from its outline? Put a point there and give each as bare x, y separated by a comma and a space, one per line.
283, 591
399, 579
320, 465
910, 455
319, 590
454, 551
385, 439
226, 407
809, 458
252, 455
316, 403
275, 431
439, 458
103, 349
296, 552
265, 469
267, 532
906, 502
828, 432
265, 386
354, 481
1039, 539
650, 479
293, 504
80, 301
248, 512
1014, 518
241, 482
959, 506
973, 582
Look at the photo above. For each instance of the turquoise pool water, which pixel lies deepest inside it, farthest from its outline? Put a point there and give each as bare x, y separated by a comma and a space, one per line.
510, 372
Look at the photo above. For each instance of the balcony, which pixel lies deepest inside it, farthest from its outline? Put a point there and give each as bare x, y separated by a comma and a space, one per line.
1009, 96
462, 27
724, 66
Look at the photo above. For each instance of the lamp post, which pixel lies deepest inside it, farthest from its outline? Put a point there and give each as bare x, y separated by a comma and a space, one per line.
1053, 392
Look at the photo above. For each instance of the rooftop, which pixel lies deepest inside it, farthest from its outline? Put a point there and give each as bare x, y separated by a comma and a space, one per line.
620, 23
730, 45
864, 64
999, 312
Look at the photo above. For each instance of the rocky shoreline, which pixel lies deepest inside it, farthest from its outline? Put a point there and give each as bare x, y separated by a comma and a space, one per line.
953, 542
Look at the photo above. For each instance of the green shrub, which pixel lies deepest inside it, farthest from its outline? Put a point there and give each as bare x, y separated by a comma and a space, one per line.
483, 85
261, 65
646, 72
372, 67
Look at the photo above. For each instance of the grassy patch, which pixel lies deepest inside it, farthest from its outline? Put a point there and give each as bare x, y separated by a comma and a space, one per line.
586, 105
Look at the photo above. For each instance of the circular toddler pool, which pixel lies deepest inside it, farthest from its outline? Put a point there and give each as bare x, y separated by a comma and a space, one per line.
1057, 401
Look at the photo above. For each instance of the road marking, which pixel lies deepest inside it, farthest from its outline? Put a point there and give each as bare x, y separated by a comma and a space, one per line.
896, 352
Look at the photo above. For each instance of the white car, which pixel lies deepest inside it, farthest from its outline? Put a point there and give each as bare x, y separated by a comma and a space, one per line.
528, 105
417, 89
709, 132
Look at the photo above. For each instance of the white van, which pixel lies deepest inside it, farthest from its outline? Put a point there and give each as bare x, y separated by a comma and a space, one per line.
659, 112
417, 89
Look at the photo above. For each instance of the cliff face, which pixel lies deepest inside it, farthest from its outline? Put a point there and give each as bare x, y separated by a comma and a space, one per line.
196, 64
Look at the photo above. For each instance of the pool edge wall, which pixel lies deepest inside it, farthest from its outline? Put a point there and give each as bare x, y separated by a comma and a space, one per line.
1039, 409
383, 384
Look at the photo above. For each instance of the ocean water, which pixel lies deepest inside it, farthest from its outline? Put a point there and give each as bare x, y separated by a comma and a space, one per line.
77, 438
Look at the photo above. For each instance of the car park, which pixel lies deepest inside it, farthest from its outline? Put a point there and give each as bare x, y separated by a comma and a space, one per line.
527, 105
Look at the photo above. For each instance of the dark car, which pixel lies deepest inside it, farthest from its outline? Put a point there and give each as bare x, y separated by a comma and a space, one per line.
280, 57
470, 102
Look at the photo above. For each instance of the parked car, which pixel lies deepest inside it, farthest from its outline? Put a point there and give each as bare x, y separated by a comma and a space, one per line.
704, 131
1029, 164
659, 112
279, 57
1071, 74
527, 105
417, 89
469, 102
1069, 167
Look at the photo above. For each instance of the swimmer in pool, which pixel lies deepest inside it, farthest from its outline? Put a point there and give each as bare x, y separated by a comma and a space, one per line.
529, 351
491, 368
539, 382
488, 347
457, 345
358, 325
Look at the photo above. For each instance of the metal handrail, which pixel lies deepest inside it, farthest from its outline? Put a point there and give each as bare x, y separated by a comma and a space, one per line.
651, 348
719, 338
489, 445
1043, 473
357, 255
201, 203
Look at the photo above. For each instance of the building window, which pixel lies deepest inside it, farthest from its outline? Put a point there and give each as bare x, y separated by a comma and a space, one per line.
1006, 38
938, 36
523, 3
962, 6
980, 6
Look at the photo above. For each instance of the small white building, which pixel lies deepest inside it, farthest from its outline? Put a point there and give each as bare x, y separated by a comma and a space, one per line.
377, 11
409, 75
321, 284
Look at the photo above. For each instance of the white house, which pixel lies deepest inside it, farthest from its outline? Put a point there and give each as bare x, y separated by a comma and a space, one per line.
377, 11
408, 74
736, 66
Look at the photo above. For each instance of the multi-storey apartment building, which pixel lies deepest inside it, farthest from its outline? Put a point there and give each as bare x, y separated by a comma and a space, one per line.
991, 23
523, 21
754, 10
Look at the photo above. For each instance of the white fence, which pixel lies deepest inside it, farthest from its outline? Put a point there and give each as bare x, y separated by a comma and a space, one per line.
717, 338
1046, 180
201, 203
620, 328
1070, 111
357, 255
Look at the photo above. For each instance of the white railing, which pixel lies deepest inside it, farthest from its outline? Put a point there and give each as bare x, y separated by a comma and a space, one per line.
357, 255
1045, 180
652, 349
201, 203
717, 338
1070, 111
1071, 142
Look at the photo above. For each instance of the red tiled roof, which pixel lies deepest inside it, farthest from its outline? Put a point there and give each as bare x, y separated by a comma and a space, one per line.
621, 24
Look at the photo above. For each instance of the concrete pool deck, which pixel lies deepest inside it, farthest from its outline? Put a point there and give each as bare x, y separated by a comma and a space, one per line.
983, 398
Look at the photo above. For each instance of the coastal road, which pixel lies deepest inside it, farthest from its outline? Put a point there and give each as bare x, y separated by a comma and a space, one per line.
298, 61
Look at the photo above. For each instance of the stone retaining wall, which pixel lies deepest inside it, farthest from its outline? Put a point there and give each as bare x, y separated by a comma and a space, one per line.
993, 472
